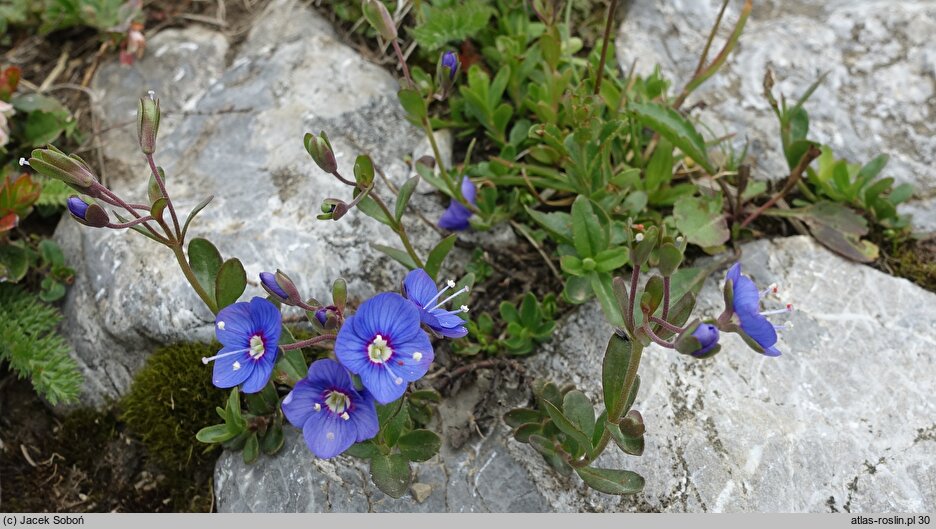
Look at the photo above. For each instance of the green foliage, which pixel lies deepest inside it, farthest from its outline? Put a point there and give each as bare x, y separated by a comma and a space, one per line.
530, 324
170, 399
32, 347
451, 23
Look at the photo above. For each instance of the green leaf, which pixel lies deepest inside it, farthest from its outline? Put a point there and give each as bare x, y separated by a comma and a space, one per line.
577, 289
251, 449
453, 24
579, 410
629, 445
548, 450
419, 445
557, 223
206, 262
231, 283
519, 416
372, 210
413, 103
611, 481
403, 197
601, 285
391, 474
51, 252
567, 426
158, 207
195, 211
438, 254
15, 260
702, 220
669, 258
273, 441
614, 373
218, 433
675, 128
660, 169
589, 235
363, 450
398, 255
291, 366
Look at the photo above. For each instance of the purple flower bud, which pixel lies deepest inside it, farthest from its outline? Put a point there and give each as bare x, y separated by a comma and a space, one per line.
450, 61
322, 315
269, 281
54, 163
456, 216
321, 151
77, 207
707, 334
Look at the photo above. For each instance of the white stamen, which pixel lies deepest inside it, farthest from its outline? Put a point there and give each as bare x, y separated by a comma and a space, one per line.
345, 416
789, 308
679, 239
236, 366
417, 356
330, 436
221, 325
772, 289
317, 407
450, 298
151, 94
450, 283
639, 237
23, 162
205, 360
398, 381
464, 308
379, 350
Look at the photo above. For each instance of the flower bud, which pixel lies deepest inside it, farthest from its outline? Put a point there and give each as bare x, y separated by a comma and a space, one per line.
377, 16
72, 170
321, 151
447, 71
280, 286
148, 122
699, 340
91, 215
333, 209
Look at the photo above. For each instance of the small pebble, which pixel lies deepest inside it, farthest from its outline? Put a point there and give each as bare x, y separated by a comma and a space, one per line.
420, 491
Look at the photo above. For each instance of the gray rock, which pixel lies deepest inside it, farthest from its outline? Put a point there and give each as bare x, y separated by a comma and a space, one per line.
842, 421
878, 95
839, 422
239, 138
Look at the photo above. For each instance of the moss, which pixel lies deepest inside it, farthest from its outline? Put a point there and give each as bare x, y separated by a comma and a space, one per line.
170, 400
916, 261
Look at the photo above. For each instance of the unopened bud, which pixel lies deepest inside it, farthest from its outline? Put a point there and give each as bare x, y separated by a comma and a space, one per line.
148, 122
333, 209
280, 286
321, 151
377, 16
447, 71
91, 215
53, 163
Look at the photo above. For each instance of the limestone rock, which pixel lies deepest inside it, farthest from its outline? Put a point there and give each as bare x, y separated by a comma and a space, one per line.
878, 95
238, 137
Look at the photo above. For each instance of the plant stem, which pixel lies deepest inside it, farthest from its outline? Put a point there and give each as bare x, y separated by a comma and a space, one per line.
311, 341
666, 297
130, 224
119, 201
190, 276
400, 231
399, 54
165, 194
632, 296
794, 177
604, 46
666, 325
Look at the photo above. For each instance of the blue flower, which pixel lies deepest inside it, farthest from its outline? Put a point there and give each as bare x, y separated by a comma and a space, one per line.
456, 217
269, 281
322, 315
746, 306
422, 292
707, 334
450, 61
249, 334
331, 413
384, 344
77, 207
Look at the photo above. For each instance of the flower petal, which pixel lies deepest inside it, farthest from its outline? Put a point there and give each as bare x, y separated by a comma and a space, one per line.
300, 403
759, 329
351, 347
389, 315
262, 370
419, 287
455, 217
772, 351
734, 273
382, 384
225, 374
364, 417
746, 296
234, 325
328, 435
267, 319
327, 372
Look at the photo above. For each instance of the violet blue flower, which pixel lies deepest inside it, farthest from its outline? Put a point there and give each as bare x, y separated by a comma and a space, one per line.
322, 315
384, 344
450, 61
269, 281
746, 306
707, 335
419, 288
77, 207
456, 217
331, 413
249, 334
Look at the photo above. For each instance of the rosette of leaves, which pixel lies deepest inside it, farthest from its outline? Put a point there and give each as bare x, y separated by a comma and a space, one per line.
532, 323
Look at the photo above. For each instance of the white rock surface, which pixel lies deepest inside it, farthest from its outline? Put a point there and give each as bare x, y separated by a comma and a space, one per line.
879, 95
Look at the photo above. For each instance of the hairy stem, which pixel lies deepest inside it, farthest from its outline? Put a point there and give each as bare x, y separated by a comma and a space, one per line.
399, 54
165, 194
310, 342
656, 339
667, 325
632, 296
666, 297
